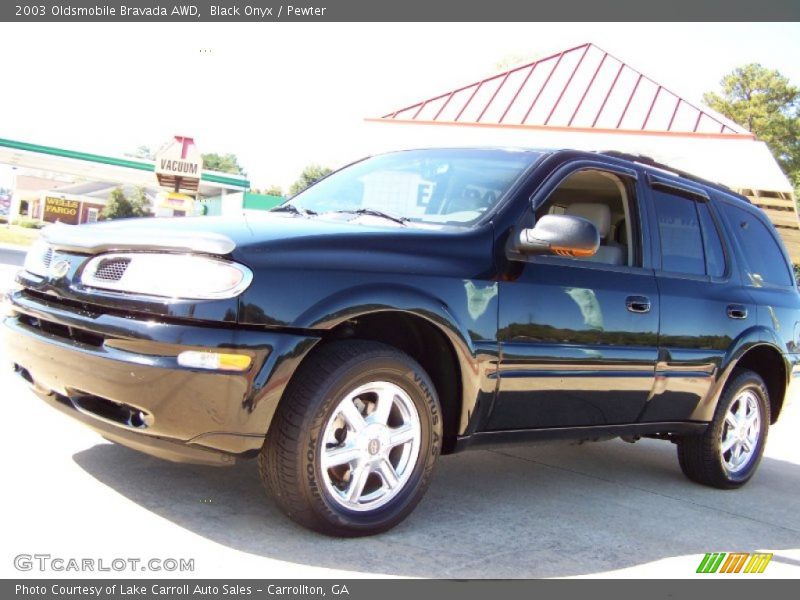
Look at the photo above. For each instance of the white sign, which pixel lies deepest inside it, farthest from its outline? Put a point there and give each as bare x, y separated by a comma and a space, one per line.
179, 164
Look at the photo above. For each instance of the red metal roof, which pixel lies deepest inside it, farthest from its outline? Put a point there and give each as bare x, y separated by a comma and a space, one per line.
583, 87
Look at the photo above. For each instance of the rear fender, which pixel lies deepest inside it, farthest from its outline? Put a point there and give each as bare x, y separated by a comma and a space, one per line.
748, 340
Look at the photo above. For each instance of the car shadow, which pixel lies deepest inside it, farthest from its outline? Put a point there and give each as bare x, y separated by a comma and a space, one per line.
536, 511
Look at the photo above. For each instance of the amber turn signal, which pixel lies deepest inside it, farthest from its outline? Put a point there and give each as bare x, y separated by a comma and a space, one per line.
214, 361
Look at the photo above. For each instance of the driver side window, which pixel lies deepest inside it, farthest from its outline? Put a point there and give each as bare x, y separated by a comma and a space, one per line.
606, 200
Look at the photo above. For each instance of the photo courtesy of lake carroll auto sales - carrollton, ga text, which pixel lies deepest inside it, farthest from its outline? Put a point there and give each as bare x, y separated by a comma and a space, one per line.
179, 590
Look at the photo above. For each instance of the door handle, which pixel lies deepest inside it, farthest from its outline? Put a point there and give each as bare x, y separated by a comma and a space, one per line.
737, 311
638, 304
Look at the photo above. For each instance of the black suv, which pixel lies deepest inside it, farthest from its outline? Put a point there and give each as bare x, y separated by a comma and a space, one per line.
418, 303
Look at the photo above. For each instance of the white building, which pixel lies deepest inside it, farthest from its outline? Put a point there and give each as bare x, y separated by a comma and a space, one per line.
585, 98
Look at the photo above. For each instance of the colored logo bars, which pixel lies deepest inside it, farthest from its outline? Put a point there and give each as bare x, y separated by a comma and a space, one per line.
734, 562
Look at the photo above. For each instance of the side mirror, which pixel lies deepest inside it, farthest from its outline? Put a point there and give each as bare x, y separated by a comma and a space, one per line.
564, 235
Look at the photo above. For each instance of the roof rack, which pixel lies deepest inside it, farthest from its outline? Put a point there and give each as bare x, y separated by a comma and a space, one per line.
651, 162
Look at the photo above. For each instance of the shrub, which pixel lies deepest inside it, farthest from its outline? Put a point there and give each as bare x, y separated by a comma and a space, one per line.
30, 224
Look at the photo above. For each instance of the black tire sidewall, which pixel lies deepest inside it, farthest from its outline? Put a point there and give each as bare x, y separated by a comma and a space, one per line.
412, 379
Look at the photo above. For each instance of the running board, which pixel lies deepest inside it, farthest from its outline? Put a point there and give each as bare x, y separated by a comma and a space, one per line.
597, 433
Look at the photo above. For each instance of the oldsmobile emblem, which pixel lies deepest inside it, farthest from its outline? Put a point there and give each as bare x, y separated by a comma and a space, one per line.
373, 447
59, 268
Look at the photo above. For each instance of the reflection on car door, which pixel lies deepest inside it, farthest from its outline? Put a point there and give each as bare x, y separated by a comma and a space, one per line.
578, 338
573, 352
703, 304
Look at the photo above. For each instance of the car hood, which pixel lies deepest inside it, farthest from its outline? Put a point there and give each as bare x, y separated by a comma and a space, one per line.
300, 265
363, 243
282, 239
205, 235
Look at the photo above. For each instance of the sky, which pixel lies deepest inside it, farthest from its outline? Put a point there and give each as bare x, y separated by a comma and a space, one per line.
283, 95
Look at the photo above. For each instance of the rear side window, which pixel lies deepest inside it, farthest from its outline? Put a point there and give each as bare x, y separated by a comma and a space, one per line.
762, 253
715, 255
681, 239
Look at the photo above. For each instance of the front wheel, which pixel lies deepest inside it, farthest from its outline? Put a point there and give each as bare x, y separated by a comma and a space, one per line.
727, 454
354, 441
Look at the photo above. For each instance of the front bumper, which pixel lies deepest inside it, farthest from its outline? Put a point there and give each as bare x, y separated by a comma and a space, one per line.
118, 373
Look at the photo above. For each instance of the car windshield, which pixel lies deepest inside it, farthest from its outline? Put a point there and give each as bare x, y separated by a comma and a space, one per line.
453, 186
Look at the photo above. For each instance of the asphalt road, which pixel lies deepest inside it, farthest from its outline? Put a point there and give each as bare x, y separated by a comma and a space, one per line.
599, 510
11, 259
11, 256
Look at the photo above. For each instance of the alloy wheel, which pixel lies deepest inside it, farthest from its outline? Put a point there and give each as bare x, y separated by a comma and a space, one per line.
740, 432
370, 445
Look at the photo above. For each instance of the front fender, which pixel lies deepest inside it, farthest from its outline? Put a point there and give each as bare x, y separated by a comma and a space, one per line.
358, 301
352, 302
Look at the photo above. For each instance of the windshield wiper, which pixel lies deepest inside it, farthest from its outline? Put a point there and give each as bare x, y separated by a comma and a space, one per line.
374, 212
295, 210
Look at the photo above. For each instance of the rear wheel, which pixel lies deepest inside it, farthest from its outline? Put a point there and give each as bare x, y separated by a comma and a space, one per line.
727, 454
354, 441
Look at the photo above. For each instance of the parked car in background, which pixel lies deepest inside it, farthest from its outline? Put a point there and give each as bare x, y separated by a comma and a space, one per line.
415, 304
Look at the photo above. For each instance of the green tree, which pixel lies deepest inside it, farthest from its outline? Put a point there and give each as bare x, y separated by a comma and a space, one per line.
224, 163
510, 61
765, 103
310, 175
273, 190
119, 206
140, 202
142, 152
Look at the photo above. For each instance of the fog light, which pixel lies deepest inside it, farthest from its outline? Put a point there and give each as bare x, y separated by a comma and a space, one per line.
214, 361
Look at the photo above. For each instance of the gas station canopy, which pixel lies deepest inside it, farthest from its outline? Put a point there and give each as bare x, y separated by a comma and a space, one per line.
117, 170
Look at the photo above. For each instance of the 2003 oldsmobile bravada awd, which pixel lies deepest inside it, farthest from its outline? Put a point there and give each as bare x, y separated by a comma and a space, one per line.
418, 303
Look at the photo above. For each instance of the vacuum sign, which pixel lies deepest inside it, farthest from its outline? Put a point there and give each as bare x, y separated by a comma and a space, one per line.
181, 168
178, 165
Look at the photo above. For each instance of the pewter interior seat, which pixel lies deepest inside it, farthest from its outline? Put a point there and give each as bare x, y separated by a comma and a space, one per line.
609, 252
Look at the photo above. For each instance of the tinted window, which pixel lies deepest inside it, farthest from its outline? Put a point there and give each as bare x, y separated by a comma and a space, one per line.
715, 256
762, 253
681, 241
453, 186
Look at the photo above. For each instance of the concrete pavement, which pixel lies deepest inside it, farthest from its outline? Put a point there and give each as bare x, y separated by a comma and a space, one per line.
12, 255
609, 509
11, 259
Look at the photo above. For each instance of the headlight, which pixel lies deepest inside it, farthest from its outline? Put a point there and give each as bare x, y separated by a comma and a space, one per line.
38, 258
167, 275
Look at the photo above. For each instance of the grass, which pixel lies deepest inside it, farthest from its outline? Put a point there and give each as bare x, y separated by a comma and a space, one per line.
21, 236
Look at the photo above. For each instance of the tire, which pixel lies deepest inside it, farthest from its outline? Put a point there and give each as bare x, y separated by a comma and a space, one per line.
703, 458
326, 457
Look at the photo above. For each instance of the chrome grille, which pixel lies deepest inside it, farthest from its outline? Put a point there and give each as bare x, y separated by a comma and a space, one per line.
47, 257
111, 269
